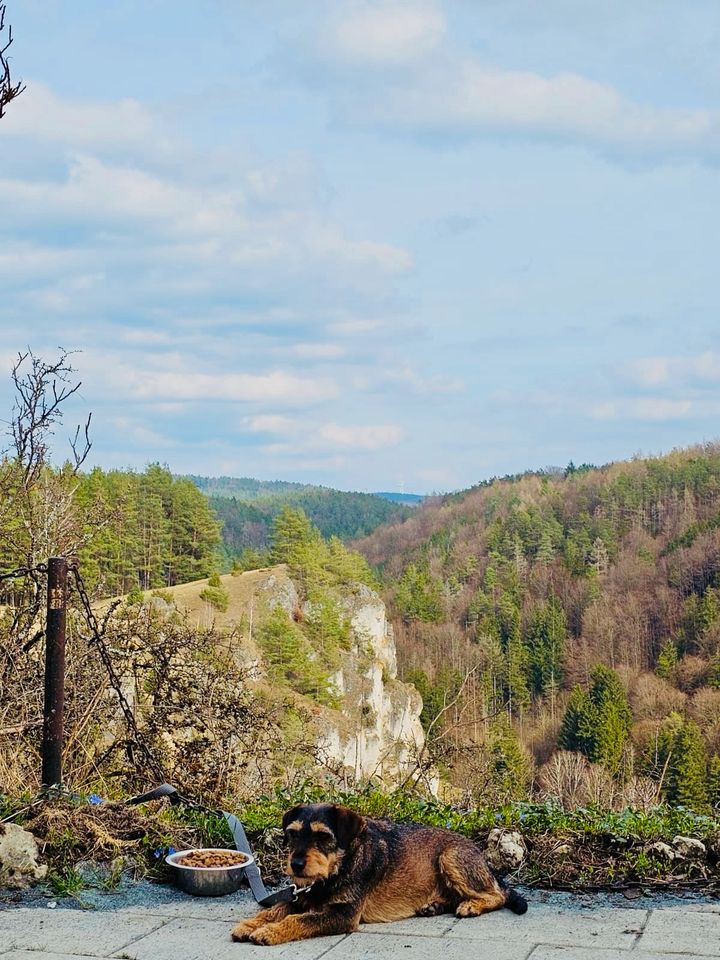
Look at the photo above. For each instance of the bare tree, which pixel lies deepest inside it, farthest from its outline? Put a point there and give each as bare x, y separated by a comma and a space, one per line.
38, 514
41, 389
8, 89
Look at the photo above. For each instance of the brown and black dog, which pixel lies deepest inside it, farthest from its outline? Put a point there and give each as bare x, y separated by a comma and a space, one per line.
352, 869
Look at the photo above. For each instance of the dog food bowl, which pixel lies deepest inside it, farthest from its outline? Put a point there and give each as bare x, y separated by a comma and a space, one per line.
208, 881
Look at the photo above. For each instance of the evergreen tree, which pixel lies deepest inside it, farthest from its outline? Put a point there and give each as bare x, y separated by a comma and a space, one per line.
613, 720
667, 660
418, 596
546, 551
293, 538
598, 723
510, 765
687, 783
573, 734
546, 638
514, 675
291, 659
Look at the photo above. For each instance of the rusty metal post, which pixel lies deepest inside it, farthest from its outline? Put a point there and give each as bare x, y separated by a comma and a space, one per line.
54, 704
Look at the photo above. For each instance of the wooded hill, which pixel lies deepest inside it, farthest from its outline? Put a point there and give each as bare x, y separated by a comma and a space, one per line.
508, 597
142, 531
247, 507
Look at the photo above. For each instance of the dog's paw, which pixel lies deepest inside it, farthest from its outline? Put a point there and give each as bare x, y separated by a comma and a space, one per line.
469, 908
241, 931
432, 909
268, 936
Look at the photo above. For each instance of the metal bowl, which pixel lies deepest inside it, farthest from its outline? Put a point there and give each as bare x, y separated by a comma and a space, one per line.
208, 881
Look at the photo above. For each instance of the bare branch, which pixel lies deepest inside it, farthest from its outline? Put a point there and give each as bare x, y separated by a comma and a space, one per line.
41, 389
8, 89
80, 452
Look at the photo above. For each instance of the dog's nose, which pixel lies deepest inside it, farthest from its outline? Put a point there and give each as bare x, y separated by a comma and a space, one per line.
297, 864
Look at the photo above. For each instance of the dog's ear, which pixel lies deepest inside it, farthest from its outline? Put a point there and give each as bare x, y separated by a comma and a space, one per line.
290, 816
348, 826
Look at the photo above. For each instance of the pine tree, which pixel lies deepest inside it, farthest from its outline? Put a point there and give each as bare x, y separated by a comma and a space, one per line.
597, 723
667, 660
546, 550
290, 657
687, 784
546, 640
614, 718
510, 765
292, 535
574, 727
515, 656
419, 596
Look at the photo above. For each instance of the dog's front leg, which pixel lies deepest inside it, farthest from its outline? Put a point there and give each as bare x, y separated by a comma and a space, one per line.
334, 918
242, 930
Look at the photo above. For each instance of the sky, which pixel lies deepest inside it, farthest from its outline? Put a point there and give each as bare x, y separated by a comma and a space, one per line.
373, 244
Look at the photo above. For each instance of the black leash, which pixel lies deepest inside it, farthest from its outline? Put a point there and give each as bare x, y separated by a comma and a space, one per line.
259, 890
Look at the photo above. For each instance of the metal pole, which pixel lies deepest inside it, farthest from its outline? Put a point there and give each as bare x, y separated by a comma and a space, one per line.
54, 672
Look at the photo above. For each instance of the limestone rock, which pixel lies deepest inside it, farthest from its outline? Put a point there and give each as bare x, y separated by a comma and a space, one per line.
662, 850
19, 857
689, 847
563, 849
506, 848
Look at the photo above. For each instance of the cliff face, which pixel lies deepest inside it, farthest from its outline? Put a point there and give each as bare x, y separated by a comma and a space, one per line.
376, 731
385, 736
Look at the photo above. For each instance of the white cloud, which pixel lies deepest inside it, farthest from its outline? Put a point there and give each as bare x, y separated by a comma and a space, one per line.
175, 381
354, 327
373, 437
318, 351
463, 96
187, 223
423, 385
300, 437
654, 371
140, 435
270, 423
384, 32
81, 124
643, 408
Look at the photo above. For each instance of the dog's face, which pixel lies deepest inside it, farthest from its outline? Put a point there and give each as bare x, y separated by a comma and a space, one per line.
318, 836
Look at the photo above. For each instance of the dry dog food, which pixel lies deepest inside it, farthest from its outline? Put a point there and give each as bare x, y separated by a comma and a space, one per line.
213, 858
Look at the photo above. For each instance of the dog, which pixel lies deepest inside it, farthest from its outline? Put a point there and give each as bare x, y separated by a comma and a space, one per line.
351, 869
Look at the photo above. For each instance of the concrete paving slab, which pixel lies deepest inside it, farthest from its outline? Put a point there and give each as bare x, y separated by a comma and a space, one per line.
190, 939
72, 931
231, 909
417, 927
593, 953
676, 932
40, 955
617, 929
364, 946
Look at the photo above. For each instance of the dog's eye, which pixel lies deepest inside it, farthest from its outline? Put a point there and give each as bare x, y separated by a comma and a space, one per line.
291, 834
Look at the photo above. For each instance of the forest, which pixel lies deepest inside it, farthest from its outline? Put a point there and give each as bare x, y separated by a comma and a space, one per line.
569, 621
247, 507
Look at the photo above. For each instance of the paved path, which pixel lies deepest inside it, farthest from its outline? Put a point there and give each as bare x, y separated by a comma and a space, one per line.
188, 928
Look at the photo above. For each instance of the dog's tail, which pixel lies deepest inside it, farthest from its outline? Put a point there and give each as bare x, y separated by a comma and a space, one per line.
514, 902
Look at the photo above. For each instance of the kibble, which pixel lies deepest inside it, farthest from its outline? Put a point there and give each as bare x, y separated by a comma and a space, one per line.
207, 859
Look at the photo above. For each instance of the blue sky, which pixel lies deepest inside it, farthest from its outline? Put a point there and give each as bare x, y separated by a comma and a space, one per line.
368, 243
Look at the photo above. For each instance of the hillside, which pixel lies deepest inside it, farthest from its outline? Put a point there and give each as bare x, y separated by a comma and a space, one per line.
246, 508
509, 595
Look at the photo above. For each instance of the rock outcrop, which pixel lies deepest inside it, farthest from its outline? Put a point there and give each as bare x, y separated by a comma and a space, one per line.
20, 864
376, 732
